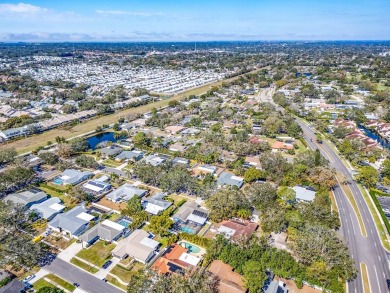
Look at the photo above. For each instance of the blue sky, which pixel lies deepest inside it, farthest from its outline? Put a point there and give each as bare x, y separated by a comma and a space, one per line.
196, 20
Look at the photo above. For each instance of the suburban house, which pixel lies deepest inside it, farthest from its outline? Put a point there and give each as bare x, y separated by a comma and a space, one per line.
176, 259
130, 156
281, 146
110, 151
190, 131
174, 129
181, 161
125, 193
106, 230
96, 187
156, 203
190, 217
49, 208
252, 161
155, 160
15, 286
304, 193
72, 223
230, 179
205, 169
177, 147
72, 177
276, 287
139, 245
230, 281
27, 198
236, 230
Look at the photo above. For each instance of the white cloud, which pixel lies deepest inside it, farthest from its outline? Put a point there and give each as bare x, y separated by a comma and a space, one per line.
21, 8
125, 12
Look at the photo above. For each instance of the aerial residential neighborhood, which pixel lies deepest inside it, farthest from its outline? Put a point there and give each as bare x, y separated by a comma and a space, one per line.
203, 147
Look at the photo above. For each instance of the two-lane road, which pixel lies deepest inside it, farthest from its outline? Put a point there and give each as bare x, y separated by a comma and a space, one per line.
368, 250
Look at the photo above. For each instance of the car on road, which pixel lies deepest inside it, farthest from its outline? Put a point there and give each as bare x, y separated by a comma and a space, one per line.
28, 278
388, 283
107, 264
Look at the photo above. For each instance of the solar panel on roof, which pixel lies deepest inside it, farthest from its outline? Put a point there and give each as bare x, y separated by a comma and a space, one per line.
174, 268
199, 214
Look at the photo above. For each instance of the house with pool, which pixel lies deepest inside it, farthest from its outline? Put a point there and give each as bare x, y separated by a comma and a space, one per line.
190, 218
72, 177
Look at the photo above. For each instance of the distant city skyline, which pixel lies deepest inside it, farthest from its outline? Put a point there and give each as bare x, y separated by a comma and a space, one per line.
228, 20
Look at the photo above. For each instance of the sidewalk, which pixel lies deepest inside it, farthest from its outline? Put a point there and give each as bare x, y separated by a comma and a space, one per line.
70, 252
39, 275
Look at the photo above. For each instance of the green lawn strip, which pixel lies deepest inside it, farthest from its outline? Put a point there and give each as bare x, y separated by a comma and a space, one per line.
64, 284
42, 283
116, 283
374, 212
112, 162
352, 200
84, 266
365, 279
97, 254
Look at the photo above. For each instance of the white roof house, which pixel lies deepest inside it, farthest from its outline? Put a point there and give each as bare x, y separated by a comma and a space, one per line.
304, 194
156, 203
138, 245
73, 176
97, 186
49, 208
125, 193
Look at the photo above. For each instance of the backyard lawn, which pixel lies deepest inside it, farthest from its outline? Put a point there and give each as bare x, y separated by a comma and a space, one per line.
98, 253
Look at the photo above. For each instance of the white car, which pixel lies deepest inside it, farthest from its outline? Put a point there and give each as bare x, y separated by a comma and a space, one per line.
28, 278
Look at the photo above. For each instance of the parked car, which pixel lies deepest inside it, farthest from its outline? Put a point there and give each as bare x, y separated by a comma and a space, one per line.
28, 278
107, 264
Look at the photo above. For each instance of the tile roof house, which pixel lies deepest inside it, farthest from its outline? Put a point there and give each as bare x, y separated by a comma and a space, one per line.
280, 145
49, 208
175, 260
74, 222
230, 179
130, 155
237, 229
125, 192
230, 282
174, 129
27, 198
138, 245
304, 193
156, 203
73, 176
106, 230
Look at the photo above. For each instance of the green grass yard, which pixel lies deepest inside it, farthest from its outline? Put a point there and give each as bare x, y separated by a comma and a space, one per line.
97, 254
64, 284
84, 266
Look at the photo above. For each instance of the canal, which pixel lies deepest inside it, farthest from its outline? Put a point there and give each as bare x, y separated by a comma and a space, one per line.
375, 137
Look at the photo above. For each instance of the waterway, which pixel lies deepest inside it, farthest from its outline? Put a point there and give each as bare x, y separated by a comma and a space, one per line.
93, 141
375, 137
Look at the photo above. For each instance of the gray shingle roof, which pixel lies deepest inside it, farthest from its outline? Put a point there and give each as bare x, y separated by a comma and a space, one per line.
125, 192
27, 197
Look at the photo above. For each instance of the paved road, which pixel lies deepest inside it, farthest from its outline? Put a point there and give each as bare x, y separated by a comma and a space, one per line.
368, 250
87, 282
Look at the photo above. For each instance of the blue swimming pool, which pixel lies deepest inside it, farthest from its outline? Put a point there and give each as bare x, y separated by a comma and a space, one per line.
58, 181
124, 222
188, 230
190, 247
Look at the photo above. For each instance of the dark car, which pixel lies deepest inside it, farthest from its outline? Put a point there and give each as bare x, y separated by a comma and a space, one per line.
388, 283
107, 264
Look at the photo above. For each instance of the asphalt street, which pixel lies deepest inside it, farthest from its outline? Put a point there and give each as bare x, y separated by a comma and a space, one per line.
368, 250
72, 274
